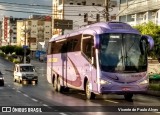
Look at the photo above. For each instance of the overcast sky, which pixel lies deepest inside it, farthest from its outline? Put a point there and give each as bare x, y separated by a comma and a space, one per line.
19, 8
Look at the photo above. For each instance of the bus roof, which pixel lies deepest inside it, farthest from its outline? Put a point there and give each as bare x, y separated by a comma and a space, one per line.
99, 28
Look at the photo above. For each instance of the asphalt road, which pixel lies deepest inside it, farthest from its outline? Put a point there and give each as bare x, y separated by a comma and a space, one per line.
43, 96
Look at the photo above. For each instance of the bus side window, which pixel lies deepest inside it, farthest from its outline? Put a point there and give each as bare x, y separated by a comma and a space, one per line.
63, 47
74, 43
87, 47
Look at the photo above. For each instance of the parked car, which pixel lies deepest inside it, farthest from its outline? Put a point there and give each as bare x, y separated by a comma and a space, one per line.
25, 73
1, 79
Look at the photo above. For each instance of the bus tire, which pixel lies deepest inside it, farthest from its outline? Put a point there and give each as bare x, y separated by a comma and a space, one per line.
59, 87
89, 95
128, 96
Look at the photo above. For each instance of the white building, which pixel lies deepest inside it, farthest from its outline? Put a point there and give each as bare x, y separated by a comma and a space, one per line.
32, 31
76, 9
136, 12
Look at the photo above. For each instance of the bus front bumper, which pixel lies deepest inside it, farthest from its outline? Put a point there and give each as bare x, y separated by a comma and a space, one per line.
122, 89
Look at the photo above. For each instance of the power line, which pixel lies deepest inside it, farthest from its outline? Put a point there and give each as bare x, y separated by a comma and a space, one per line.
46, 5
35, 12
128, 6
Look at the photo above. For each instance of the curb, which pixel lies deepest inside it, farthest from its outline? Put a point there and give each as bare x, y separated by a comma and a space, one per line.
153, 93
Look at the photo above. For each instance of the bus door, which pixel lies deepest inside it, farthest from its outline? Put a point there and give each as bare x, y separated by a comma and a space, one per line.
90, 64
73, 62
64, 62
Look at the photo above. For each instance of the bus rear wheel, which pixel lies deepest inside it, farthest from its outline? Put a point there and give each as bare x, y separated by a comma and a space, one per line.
55, 84
128, 96
59, 87
89, 94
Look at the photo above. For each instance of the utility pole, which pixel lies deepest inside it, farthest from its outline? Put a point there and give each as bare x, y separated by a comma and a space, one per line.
106, 9
63, 15
24, 59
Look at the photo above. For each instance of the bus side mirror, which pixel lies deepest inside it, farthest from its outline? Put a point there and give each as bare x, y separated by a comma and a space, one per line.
149, 39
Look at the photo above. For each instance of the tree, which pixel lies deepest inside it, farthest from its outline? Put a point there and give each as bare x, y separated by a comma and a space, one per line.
153, 30
18, 50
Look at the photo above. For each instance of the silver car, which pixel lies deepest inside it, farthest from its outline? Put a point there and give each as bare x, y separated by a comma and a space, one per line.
25, 73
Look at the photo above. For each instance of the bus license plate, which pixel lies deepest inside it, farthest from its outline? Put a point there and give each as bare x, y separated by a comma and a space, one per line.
125, 88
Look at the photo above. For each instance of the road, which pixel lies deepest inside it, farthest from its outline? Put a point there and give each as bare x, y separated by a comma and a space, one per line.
43, 95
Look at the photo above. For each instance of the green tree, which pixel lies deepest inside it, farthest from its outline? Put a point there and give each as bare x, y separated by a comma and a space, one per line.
153, 30
3, 48
18, 50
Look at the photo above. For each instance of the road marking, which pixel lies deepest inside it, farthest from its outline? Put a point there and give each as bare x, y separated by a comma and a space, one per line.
18, 91
45, 105
62, 113
111, 101
25, 95
157, 112
9, 86
34, 99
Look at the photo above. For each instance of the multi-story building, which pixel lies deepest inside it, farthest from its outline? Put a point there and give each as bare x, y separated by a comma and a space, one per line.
9, 31
82, 12
32, 31
137, 12
0, 33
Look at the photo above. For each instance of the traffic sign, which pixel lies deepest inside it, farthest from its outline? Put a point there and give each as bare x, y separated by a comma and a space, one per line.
63, 24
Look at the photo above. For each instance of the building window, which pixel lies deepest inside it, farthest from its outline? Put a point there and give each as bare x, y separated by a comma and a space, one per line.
122, 18
60, 2
122, 1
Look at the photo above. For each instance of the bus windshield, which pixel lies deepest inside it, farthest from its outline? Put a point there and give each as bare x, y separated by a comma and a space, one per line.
122, 53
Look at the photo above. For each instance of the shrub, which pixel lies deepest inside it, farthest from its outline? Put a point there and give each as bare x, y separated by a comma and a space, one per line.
155, 87
10, 58
2, 55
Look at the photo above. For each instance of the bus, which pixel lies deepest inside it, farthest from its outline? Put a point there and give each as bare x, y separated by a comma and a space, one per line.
102, 58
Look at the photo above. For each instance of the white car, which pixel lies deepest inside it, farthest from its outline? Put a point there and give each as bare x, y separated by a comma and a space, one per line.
25, 73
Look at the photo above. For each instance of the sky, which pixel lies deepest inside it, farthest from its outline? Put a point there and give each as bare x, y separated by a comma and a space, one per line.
24, 8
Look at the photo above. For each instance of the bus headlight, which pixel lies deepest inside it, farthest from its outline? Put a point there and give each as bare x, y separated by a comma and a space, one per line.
102, 82
144, 82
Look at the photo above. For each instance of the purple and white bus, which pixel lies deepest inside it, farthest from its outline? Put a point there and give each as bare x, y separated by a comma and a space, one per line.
102, 58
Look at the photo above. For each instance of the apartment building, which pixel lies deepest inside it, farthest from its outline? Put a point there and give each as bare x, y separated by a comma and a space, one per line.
136, 12
82, 12
9, 31
32, 31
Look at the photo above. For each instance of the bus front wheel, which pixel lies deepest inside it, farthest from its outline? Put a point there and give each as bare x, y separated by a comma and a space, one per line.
128, 96
89, 94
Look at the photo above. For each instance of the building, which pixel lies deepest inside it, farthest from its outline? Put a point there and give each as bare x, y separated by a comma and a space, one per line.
136, 12
32, 31
9, 31
0, 33
81, 12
